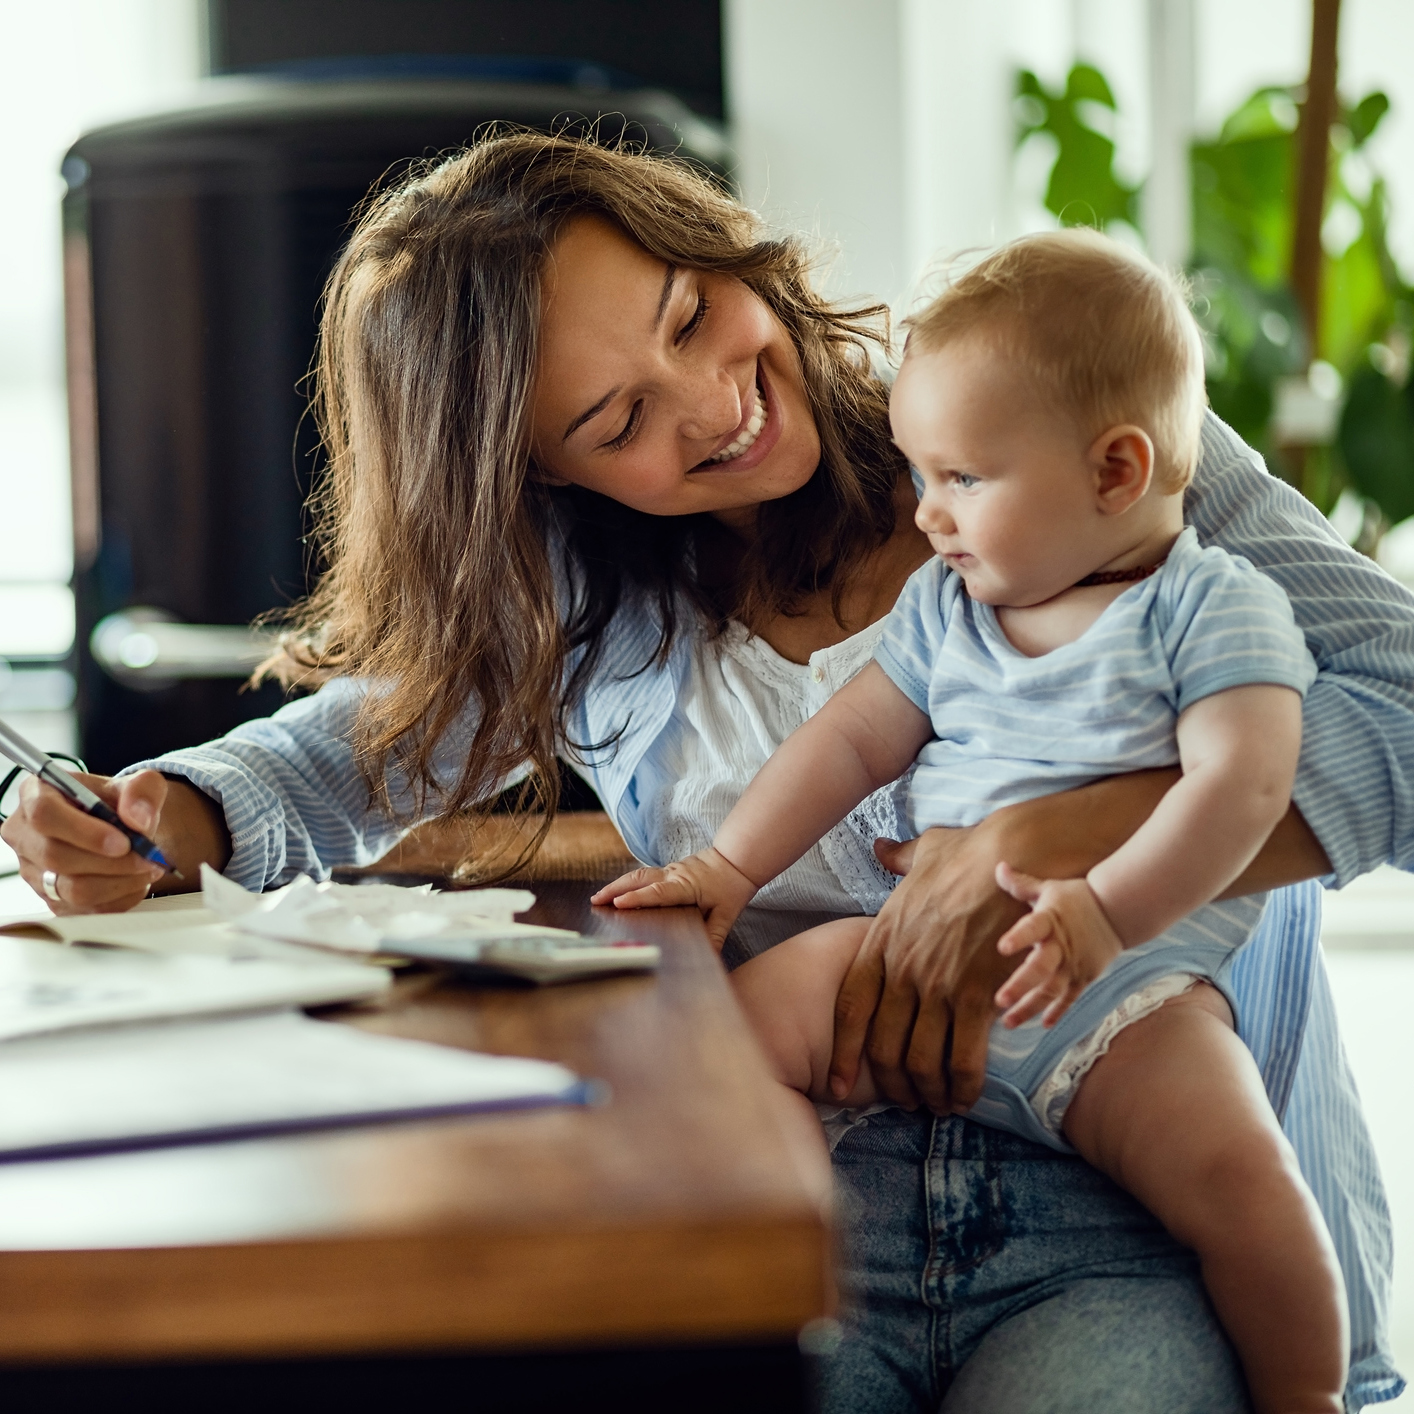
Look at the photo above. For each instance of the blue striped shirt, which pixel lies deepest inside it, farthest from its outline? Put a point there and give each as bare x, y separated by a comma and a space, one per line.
1009, 727
294, 802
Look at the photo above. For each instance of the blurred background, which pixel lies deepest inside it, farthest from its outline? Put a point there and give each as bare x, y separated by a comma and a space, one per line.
184, 168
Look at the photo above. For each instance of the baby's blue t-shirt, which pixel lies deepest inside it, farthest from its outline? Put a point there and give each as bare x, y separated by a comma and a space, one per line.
1008, 727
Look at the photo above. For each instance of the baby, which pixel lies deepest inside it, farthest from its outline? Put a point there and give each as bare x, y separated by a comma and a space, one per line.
1069, 628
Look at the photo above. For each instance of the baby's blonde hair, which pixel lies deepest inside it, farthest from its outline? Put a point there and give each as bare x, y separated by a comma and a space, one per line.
1106, 335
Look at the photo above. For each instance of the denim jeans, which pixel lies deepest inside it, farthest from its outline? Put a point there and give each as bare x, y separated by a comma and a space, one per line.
985, 1274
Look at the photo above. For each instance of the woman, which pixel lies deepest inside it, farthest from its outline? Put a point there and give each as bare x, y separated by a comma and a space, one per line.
609, 480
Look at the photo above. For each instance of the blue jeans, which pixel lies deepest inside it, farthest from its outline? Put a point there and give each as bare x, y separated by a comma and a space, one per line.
985, 1274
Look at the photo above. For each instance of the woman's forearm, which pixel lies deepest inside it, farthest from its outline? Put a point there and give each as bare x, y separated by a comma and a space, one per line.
1292, 853
1064, 836
190, 832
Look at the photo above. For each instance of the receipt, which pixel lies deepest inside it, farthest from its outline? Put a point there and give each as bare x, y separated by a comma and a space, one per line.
370, 918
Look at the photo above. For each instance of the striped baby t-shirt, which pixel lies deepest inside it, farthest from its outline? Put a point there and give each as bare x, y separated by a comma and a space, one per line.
1008, 727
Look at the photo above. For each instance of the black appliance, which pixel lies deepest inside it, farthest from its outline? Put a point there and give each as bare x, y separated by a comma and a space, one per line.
674, 45
197, 243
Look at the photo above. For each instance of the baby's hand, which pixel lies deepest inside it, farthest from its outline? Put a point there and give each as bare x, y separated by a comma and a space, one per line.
708, 880
1071, 943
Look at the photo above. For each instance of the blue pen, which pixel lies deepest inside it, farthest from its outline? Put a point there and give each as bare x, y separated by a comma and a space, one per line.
38, 763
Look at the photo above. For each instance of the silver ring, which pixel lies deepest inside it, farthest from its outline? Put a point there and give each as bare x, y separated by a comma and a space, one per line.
50, 880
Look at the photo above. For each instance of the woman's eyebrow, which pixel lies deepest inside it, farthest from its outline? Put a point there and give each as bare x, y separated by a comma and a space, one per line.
669, 280
589, 413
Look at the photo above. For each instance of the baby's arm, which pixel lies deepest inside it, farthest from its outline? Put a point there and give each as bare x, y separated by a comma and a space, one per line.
864, 737
1238, 750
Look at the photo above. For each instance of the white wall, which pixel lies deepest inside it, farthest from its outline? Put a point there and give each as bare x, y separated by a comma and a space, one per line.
813, 87
957, 76
65, 65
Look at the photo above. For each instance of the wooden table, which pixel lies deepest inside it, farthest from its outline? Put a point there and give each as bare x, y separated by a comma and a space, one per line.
690, 1213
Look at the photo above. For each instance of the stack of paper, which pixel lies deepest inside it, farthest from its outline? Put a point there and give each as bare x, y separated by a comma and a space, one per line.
474, 931
48, 988
156, 1026
229, 1077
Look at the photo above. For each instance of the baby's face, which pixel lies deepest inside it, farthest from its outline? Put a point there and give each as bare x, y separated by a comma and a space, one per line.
1009, 497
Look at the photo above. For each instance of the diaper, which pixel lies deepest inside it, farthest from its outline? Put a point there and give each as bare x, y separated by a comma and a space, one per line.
1051, 1099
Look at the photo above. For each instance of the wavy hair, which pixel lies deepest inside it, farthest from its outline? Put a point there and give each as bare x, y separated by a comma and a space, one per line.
437, 537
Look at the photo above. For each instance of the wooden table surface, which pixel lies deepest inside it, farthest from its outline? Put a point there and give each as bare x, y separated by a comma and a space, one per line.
691, 1207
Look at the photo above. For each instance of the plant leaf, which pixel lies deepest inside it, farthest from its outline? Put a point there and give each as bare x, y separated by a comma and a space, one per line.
1364, 118
1376, 438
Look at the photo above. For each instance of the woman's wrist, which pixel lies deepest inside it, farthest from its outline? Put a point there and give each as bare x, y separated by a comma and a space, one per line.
191, 832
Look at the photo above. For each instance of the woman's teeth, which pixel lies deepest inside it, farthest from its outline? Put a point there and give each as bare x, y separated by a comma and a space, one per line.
748, 435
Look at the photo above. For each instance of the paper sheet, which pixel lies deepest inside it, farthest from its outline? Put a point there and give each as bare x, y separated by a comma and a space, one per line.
48, 988
474, 930
125, 1087
316, 925
366, 917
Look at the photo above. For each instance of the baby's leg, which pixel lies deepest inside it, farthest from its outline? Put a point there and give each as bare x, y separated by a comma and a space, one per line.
788, 993
1176, 1113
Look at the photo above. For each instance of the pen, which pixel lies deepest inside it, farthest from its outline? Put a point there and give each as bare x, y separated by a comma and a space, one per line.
38, 763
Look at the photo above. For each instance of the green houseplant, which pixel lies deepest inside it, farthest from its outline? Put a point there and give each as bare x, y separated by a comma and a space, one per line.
1241, 242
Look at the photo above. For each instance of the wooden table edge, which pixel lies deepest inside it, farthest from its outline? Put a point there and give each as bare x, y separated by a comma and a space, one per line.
731, 1280
752, 1274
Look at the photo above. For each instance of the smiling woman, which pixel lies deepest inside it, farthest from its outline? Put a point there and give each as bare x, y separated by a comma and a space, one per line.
682, 380
706, 383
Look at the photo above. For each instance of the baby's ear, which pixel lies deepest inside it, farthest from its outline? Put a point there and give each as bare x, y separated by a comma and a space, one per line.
1122, 460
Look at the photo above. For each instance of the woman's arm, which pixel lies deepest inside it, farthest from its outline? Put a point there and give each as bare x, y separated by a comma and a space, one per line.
274, 798
288, 790
920, 998
1352, 784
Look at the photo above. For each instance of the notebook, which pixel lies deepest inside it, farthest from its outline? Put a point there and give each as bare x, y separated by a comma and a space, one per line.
48, 988
233, 1077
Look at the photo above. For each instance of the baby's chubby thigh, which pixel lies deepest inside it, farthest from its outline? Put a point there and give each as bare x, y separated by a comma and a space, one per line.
1173, 1085
788, 994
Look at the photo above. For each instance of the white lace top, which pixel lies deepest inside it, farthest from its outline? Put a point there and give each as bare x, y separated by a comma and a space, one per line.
741, 700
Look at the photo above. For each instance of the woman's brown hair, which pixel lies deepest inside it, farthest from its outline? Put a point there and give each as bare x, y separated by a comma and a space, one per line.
439, 541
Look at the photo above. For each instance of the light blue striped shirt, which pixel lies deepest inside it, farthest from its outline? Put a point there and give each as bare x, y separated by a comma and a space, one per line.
1008, 727
294, 802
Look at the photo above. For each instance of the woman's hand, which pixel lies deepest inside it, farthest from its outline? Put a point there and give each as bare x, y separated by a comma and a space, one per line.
96, 869
921, 995
708, 880
928, 966
95, 864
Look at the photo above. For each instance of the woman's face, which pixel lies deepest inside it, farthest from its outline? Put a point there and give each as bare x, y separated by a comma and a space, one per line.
671, 390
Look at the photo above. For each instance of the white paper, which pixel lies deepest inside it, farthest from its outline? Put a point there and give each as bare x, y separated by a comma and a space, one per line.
44, 987
174, 923
321, 925
143, 1084
369, 918
464, 928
